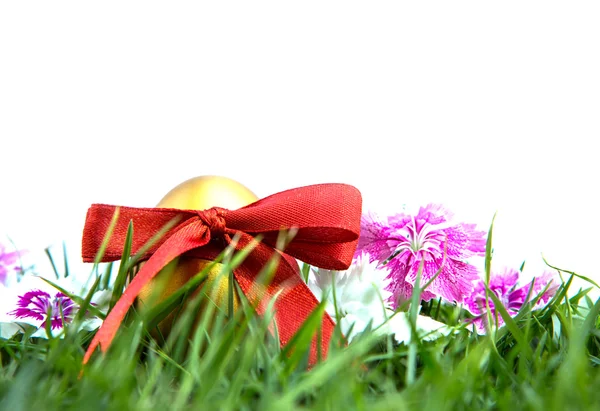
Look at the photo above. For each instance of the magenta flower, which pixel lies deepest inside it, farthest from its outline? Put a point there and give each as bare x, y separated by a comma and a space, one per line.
35, 302
402, 242
506, 287
8, 262
41, 306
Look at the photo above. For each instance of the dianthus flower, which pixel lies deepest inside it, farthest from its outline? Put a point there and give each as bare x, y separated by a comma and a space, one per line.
403, 242
505, 285
42, 306
33, 302
8, 263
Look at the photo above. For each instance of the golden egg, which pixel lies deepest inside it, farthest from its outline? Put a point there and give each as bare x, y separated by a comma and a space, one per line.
199, 193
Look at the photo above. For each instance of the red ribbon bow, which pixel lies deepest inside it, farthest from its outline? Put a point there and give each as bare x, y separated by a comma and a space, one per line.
327, 218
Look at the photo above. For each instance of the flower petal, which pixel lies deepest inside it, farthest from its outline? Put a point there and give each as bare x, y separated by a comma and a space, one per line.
373, 239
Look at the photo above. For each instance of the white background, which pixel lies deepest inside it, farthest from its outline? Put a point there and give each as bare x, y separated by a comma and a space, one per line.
482, 107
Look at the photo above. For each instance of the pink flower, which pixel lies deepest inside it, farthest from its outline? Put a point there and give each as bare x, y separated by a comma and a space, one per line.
403, 241
8, 263
505, 286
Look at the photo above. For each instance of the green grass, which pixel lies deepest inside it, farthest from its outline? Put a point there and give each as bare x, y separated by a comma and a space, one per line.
541, 360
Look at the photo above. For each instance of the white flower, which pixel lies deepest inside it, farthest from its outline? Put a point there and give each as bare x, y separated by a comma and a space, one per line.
427, 328
360, 296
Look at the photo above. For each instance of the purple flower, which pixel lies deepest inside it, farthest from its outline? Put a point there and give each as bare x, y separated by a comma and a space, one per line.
40, 306
7, 263
403, 241
34, 301
505, 286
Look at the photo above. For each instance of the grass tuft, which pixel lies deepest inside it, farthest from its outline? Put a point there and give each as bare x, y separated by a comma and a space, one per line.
219, 358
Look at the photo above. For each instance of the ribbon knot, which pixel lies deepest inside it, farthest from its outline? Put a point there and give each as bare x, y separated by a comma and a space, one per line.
214, 219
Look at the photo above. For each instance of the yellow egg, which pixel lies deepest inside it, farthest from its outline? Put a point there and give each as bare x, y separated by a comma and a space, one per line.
199, 193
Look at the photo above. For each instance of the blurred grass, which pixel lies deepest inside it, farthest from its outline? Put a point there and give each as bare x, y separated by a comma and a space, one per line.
229, 360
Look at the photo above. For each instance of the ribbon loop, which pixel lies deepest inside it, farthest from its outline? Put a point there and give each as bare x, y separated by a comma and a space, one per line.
214, 219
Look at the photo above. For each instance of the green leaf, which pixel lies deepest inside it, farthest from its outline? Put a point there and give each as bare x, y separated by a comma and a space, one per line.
124, 268
298, 348
80, 301
510, 323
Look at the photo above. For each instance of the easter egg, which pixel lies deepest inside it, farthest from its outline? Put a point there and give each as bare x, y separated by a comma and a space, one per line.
198, 193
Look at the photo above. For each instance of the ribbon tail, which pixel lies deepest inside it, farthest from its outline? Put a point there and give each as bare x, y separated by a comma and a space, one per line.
289, 324
294, 304
187, 238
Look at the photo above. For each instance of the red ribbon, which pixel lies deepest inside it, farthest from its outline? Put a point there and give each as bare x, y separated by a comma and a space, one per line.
327, 218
